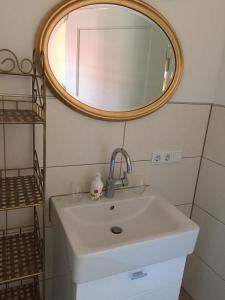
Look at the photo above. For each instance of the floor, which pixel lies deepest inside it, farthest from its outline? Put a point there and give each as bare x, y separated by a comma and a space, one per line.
184, 295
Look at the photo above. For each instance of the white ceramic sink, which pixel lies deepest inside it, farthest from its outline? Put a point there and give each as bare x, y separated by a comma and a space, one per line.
152, 231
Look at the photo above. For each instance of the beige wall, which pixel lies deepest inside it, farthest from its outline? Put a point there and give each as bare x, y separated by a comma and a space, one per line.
220, 91
78, 146
199, 25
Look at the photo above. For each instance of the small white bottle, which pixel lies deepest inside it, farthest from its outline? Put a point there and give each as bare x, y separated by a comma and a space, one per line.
96, 187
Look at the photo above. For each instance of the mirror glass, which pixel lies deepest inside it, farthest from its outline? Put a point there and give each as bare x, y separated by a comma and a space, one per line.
111, 57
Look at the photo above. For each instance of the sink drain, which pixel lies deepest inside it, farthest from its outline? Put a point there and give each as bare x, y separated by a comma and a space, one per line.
116, 230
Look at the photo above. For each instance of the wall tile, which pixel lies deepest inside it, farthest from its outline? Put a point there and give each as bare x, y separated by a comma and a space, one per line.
49, 251
49, 289
174, 127
39, 143
20, 218
76, 139
58, 288
18, 146
66, 180
199, 279
220, 91
215, 143
201, 282
15, 85
57, 263
185, 209
11, 101
211, 189
175, 181
211, 242
18, 86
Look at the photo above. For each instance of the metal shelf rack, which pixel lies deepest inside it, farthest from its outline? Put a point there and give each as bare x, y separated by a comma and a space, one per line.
22, 290
22, 250
20, 253
21, 191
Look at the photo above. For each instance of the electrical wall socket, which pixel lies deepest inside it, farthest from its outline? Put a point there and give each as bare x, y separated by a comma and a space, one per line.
166, 157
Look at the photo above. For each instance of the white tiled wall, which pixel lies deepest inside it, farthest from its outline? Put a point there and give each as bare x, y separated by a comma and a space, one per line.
211, 189
205, 271
220, 90
181, 129
74, 139
84, 146
18, 138
211, 243
201, 281
215, 143
185, 209
78, 147
176, 181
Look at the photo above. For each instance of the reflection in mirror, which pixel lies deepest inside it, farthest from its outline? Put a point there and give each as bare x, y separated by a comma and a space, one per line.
111, 57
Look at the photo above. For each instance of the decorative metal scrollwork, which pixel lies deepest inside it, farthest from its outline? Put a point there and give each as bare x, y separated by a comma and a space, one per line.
9, 63
38, 59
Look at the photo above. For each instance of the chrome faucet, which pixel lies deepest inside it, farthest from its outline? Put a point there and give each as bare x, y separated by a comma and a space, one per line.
113, 183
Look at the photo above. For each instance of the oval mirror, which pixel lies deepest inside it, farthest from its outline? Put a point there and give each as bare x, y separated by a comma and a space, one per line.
118, 60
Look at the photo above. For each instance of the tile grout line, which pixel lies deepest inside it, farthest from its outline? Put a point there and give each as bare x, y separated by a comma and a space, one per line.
182, 204
201, 159
211, 268
118, 162
149, 160
213, 161
190, 103
81, 165
54, 277
170, 102
218, 105
208, 213
187, 295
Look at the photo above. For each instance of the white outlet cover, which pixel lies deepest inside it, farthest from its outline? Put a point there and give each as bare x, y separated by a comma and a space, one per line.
162, 157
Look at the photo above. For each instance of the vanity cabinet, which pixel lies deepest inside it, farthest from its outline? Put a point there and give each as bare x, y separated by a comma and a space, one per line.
161, 281
22, 248
145, 261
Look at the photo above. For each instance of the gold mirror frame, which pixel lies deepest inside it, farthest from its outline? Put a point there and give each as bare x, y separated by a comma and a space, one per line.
64, 8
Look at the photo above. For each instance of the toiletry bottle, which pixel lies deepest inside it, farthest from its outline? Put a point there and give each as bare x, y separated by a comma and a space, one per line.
96, 187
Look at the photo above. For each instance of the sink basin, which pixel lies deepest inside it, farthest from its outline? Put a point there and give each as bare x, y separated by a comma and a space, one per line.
121, 234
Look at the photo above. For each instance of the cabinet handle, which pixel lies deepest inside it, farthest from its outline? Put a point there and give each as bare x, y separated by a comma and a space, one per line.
138, 275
